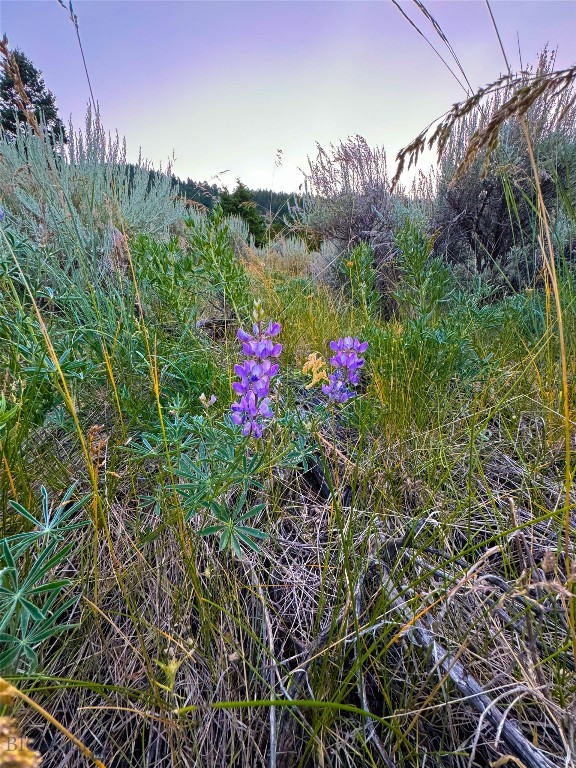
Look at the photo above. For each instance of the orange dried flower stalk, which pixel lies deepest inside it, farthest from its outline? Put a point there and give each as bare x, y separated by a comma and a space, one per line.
315, 366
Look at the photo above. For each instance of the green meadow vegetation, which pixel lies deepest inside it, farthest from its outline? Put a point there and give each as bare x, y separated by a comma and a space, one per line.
384, 577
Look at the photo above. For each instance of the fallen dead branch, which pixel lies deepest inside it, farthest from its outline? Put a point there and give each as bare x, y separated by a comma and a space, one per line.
419, 634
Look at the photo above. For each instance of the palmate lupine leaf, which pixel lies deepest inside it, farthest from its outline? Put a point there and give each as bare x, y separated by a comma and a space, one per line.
31, 635
27, 617
16, 594
231, 533
52, 525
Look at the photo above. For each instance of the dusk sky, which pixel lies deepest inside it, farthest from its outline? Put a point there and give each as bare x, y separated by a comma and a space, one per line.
224, 85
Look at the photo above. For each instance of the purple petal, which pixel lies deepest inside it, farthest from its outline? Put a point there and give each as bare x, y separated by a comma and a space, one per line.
242, 370
264, 409
240, 388
249, 348
273, 329
251, 404
342, 359
261, 387
262, 348
243, 336
257, 370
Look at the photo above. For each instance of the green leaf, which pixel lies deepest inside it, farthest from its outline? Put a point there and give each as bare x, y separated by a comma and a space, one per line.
224, 539
235, 545
7, 616
8, 657
43, 564
252, 512
248, 541
248, 531
8, 559
24, 512
53, 586
32, 609
39, 637
211, 529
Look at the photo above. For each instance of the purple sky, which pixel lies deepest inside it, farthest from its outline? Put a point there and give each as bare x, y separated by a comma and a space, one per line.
223, 85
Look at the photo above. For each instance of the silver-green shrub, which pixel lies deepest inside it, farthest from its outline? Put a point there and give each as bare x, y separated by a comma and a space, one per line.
76, 197
347, 197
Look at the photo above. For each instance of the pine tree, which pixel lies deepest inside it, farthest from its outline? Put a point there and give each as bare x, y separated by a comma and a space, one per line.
41, 101
241, 203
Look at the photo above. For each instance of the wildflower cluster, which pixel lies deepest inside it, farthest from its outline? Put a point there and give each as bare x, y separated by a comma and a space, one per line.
346, 363
255, 374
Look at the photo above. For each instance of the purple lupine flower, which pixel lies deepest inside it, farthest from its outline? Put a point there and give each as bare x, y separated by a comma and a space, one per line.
346, 364
1, 214
255, 374
247, 411
261, 348
336, 389
348, 343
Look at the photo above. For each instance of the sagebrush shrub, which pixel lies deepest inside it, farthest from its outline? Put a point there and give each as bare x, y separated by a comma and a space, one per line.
347, 198
73, 198
487, 217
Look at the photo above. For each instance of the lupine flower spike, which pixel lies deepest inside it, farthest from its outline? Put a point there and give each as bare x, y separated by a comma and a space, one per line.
255, 375
346, 364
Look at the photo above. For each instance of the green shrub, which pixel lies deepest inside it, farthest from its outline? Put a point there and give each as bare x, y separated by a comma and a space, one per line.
241, 203
224, 274
360, 275
424, 283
